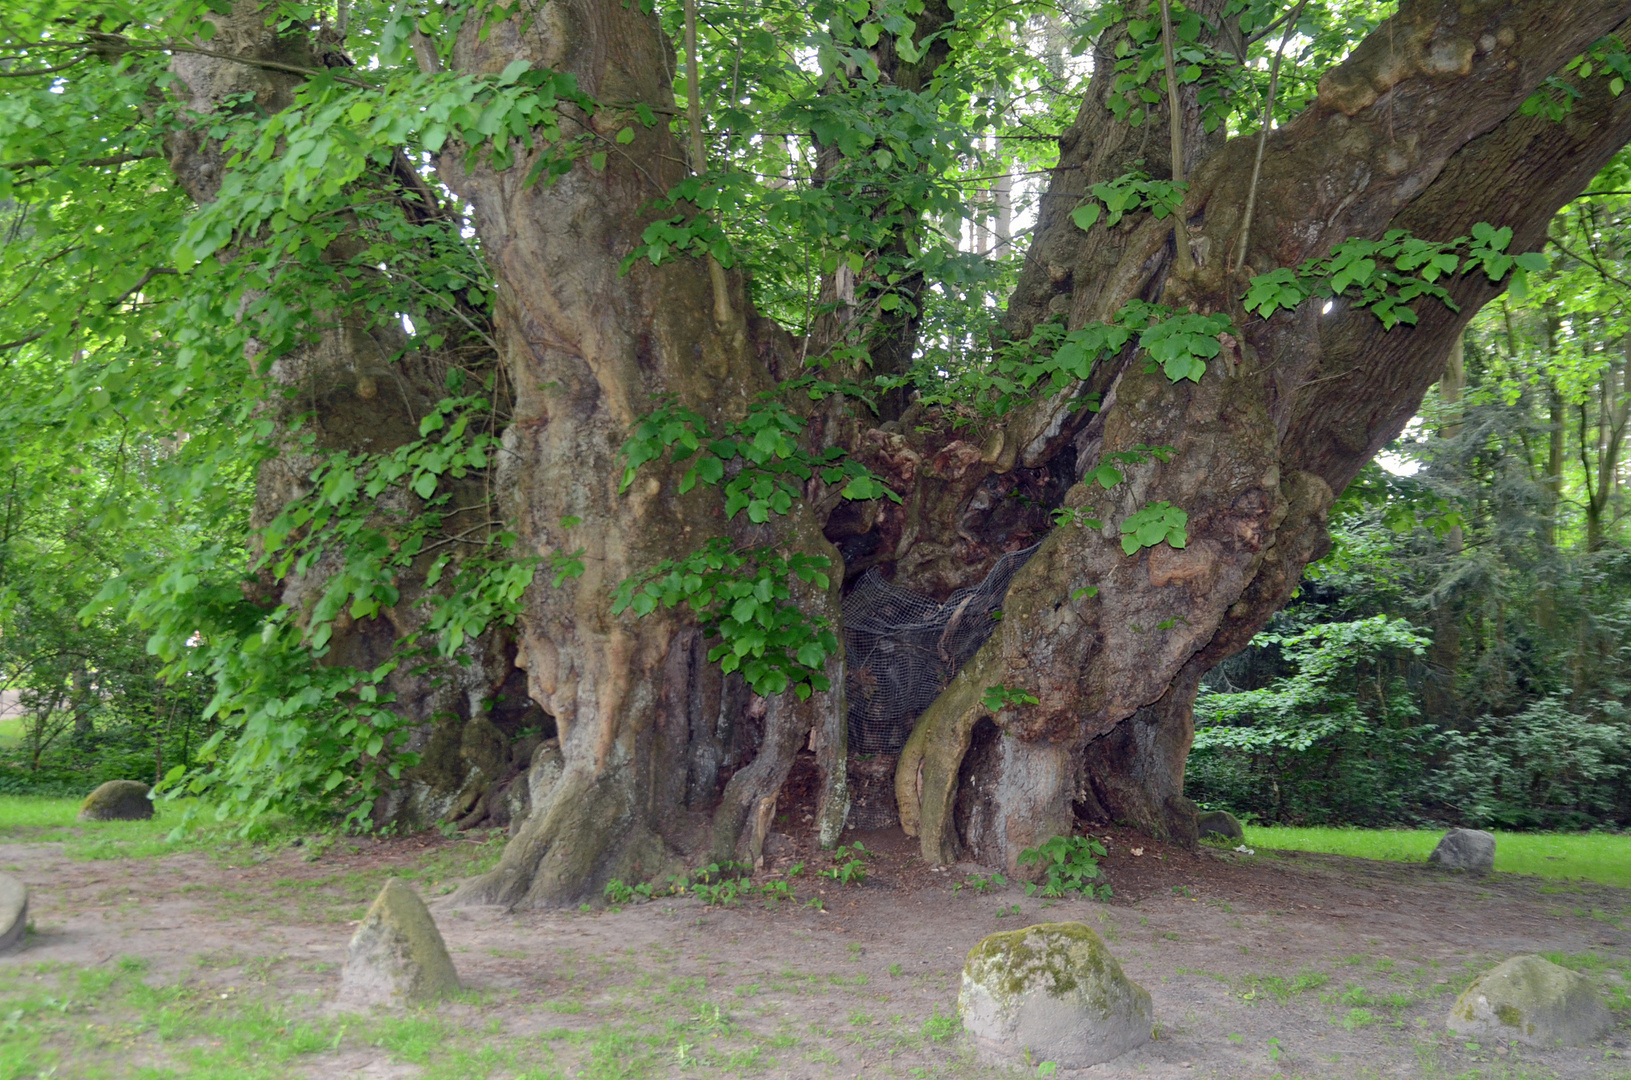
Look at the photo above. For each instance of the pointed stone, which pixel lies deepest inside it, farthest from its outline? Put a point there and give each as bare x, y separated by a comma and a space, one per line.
13, 911
397, 956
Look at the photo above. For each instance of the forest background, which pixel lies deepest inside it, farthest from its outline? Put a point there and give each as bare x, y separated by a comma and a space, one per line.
1460, 656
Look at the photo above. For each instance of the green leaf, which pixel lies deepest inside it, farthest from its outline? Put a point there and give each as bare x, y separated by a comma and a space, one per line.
1085, 216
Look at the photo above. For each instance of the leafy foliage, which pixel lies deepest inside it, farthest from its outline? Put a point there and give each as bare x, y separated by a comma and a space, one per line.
1068, 864
745, 599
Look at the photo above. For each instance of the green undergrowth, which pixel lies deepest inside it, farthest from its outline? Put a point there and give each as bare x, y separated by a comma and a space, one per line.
1604, 858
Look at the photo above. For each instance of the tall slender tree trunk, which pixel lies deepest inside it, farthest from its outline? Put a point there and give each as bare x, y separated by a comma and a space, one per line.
1439, 697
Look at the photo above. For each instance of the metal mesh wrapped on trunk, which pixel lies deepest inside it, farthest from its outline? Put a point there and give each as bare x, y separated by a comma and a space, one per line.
902, 648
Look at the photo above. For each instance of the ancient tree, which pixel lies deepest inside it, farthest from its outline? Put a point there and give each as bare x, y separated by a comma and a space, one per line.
1205, 374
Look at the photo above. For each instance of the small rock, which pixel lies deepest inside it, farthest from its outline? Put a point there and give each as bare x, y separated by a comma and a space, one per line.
1532, 1001
1055, 991
1219, 823
1465, 849
13, 911
118, 800
397, 956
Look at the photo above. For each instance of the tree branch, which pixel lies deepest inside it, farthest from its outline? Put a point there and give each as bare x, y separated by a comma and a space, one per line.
111, 159
1263, 138
118, 43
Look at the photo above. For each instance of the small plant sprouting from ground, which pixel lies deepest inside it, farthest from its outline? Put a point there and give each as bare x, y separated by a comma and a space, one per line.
618, 893
938, 1028
1278, 987
721, 884
1069, 864
849, 864
980, 883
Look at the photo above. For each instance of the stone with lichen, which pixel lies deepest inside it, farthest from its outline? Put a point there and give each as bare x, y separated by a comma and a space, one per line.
1053, 992
397, 956
1220, 824
1534, 1001
118, 800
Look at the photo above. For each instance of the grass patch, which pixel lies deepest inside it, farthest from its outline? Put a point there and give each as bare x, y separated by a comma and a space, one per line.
1604, 858
43, 818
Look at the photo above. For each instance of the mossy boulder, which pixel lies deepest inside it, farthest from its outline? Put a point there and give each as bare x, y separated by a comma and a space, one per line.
1219, 823
118, 800
1055, 992
1534, 1001
13, 911
1472, 850
397, 956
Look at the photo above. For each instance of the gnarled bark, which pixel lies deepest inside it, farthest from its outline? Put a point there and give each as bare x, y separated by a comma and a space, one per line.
1418, 130
661, 759
589, 350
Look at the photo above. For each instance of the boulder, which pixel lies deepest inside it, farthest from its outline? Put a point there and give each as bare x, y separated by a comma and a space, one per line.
13, 911
397, 956
1219, 823
1054, 991
1532, 1001
1465, 849
118, 800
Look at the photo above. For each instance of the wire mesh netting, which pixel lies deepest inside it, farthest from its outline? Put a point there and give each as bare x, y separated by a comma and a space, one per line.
902, 648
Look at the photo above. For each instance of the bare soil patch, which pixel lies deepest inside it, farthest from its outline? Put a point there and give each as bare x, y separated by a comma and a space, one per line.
1263, 965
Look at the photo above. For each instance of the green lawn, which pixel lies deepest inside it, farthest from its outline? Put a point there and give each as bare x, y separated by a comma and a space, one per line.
1599, 857
45, 818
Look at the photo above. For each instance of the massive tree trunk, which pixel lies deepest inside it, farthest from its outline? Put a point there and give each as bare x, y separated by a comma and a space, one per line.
1419, 129
589, 350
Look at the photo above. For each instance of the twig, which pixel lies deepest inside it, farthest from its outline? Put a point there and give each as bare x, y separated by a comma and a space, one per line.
1180, 226
121, 298
45, 71
112, 159
119, 43
1263, 136
20, 342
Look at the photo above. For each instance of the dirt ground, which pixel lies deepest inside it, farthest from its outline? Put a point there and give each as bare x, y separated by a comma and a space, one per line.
1263, 965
